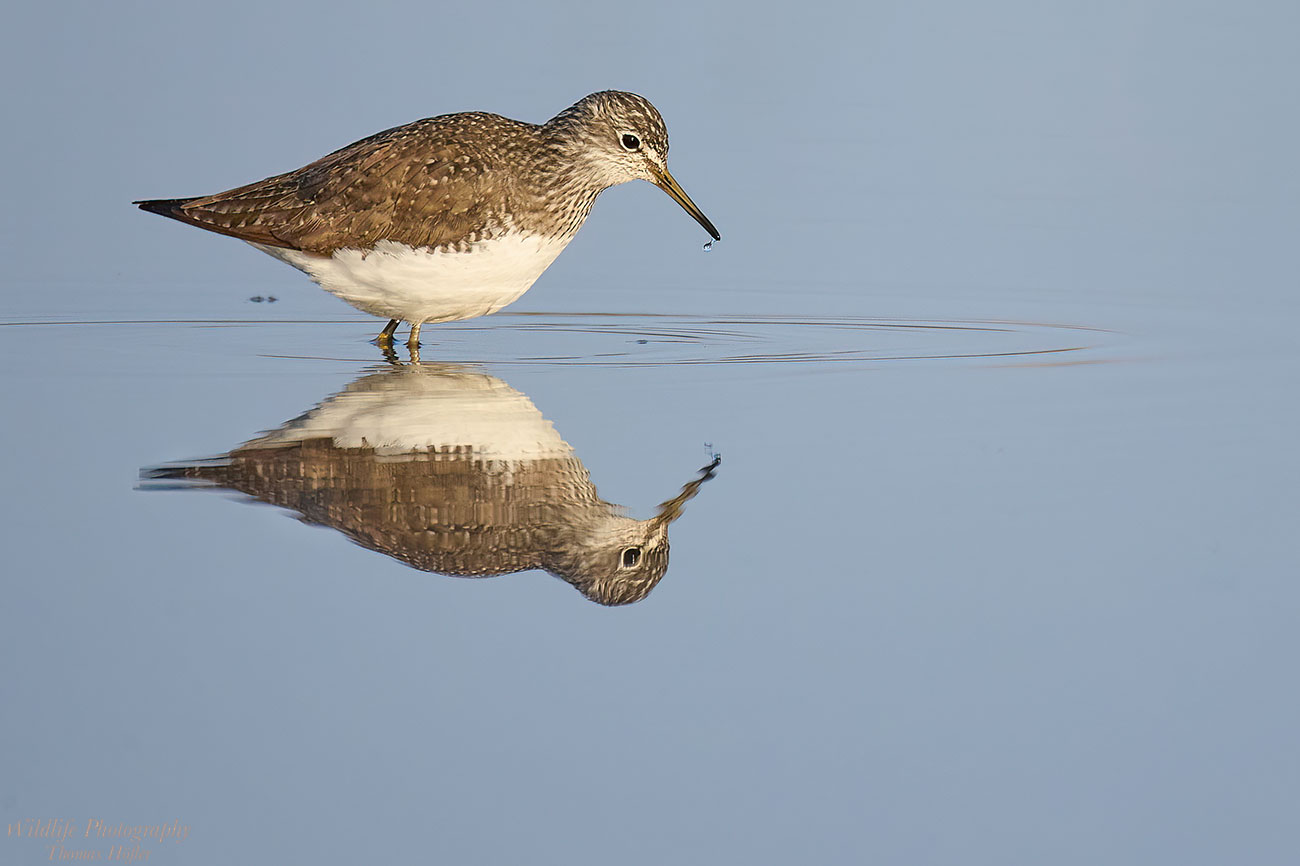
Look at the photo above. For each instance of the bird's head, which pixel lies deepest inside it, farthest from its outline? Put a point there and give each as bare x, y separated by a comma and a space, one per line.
611, 558
615, 560
614, 137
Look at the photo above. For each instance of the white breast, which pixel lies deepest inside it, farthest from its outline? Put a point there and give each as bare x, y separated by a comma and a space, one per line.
438, 407
419, 285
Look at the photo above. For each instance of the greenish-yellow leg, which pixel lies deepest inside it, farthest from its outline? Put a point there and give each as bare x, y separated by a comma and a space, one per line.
386, 335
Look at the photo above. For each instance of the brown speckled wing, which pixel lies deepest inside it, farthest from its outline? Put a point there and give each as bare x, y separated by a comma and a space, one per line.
426, 184
444, 511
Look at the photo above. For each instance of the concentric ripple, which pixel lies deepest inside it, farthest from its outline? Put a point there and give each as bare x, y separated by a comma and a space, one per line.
647, 340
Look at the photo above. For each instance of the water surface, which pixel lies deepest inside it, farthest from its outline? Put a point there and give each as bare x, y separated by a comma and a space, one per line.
999, 565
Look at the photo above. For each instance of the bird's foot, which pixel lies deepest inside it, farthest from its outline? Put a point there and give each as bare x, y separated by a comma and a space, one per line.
386, 335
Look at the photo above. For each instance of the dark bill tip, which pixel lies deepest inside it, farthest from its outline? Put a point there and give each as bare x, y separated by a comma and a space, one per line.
668, 184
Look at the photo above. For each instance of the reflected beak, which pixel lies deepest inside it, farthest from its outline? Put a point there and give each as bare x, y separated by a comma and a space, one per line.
672, 509
665, 182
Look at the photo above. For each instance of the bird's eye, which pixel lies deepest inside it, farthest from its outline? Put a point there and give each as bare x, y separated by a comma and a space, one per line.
630, 141
631, 556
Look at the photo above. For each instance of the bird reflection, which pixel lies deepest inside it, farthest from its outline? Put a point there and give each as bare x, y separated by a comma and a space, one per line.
449, 470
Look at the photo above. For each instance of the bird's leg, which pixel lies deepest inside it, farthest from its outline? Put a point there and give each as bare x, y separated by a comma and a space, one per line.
414, 339
386, 335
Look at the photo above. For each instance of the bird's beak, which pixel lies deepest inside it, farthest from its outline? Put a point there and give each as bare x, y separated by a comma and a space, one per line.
672, 509
665, 182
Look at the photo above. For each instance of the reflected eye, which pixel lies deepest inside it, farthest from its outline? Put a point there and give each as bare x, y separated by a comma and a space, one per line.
630, 141
631, 556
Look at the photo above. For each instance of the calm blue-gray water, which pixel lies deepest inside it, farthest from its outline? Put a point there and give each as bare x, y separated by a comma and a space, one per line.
998, 350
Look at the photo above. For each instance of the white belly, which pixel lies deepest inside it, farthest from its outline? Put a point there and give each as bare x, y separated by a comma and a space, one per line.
428, 407
418, 285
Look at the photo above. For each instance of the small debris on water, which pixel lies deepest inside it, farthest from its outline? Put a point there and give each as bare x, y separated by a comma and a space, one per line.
257, 299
